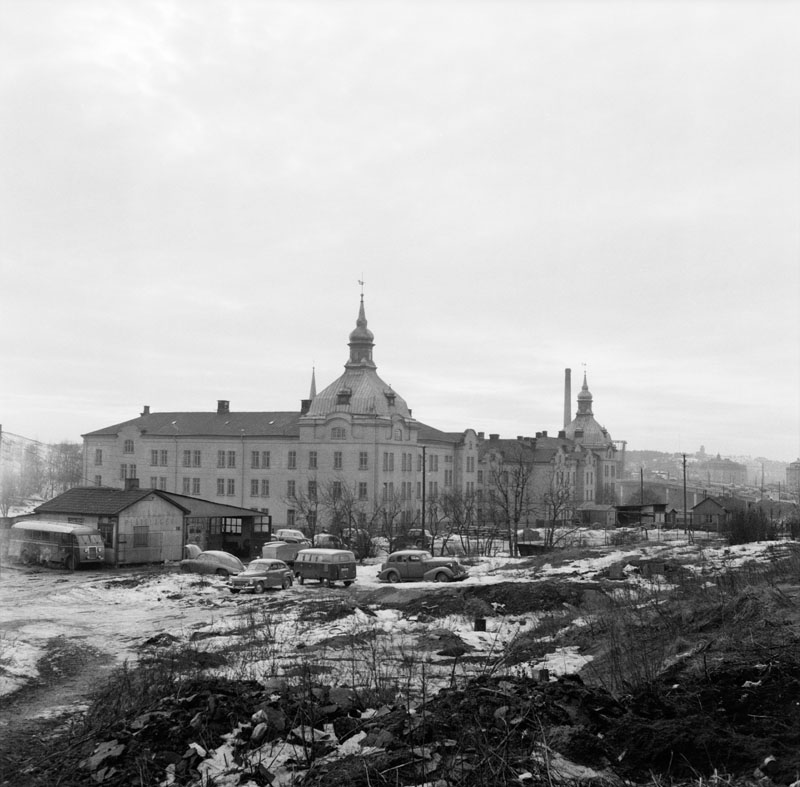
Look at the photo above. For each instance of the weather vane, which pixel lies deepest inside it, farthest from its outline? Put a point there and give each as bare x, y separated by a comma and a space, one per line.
361, 282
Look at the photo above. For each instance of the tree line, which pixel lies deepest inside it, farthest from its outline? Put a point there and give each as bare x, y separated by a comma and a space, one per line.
40, 470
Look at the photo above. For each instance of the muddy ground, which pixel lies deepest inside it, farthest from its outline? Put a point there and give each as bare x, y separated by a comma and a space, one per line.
726, 709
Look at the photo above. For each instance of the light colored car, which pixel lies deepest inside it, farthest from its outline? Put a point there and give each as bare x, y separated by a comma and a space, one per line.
417, 565
213, 561
281, 550
262, 574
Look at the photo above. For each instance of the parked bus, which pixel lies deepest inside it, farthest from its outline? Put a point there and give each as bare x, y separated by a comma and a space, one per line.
71, 546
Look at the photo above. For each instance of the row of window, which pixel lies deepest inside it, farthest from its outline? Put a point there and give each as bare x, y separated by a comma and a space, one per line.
262, 460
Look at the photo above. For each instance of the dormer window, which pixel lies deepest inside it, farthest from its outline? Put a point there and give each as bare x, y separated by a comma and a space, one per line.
343, 397
390, 397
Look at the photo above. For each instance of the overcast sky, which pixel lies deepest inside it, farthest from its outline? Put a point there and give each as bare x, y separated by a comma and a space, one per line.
190, 192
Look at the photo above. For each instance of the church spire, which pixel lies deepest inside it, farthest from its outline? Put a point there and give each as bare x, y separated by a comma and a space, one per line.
313, 392
585, 398
361, 342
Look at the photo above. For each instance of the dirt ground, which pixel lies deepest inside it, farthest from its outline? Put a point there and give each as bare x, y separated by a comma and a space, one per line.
726, 710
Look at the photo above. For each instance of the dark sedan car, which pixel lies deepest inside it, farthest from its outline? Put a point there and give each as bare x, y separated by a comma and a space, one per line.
212, 561
417, 565
262, 574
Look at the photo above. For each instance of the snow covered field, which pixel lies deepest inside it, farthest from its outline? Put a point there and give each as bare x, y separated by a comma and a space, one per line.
116, 612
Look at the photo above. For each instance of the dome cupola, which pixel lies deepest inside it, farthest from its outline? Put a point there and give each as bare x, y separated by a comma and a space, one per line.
361, 341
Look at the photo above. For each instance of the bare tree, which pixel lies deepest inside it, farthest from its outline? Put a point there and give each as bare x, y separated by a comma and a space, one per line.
306, 506
510, 471
392, 519
32, 472
64, 467
460, 516
9, 490
558, 500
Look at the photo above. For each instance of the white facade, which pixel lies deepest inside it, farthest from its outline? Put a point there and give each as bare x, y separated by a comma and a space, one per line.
356, 439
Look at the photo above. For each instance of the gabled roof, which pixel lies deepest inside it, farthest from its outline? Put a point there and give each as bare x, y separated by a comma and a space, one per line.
195, 506
544, 448
99, 501
712, 500
215, 424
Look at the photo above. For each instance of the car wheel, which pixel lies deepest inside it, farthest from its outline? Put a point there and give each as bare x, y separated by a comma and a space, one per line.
393, 577
234, 590
348, 583
302, 580
259, 587
441, 577
287, 583
69, 563
418, 544
221, 572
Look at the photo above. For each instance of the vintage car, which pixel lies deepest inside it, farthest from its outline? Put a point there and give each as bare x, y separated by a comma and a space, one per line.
415, 538
289, 535
328, 541
261, 574
212, 561
417, 565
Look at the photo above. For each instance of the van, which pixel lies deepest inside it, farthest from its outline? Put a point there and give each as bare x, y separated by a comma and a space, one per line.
326, 565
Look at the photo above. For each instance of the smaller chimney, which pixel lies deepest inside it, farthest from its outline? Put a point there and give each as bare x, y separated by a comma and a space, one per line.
223, 406
544, 433
494, 436
562, 434
146, 410
131, 483
480, 436
305, 406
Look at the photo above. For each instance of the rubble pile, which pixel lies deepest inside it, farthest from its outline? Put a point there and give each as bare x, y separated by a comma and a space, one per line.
740, 720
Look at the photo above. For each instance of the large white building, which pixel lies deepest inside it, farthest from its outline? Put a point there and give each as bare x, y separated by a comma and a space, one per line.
351, 455
353, 451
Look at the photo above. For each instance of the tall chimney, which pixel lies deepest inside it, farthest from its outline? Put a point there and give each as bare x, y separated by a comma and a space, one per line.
567, 396
223, 406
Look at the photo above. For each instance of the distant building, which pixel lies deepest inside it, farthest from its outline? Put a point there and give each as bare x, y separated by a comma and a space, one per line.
541, 480
793, 478
710, 514
719, 471
352, 455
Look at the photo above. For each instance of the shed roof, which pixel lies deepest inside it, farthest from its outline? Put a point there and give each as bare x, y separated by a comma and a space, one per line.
99, 500
195, 506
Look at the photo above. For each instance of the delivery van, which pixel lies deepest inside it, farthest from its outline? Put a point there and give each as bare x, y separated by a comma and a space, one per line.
325, 565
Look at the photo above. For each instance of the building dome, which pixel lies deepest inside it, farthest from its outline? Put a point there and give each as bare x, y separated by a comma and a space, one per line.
583, 428
359, 391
